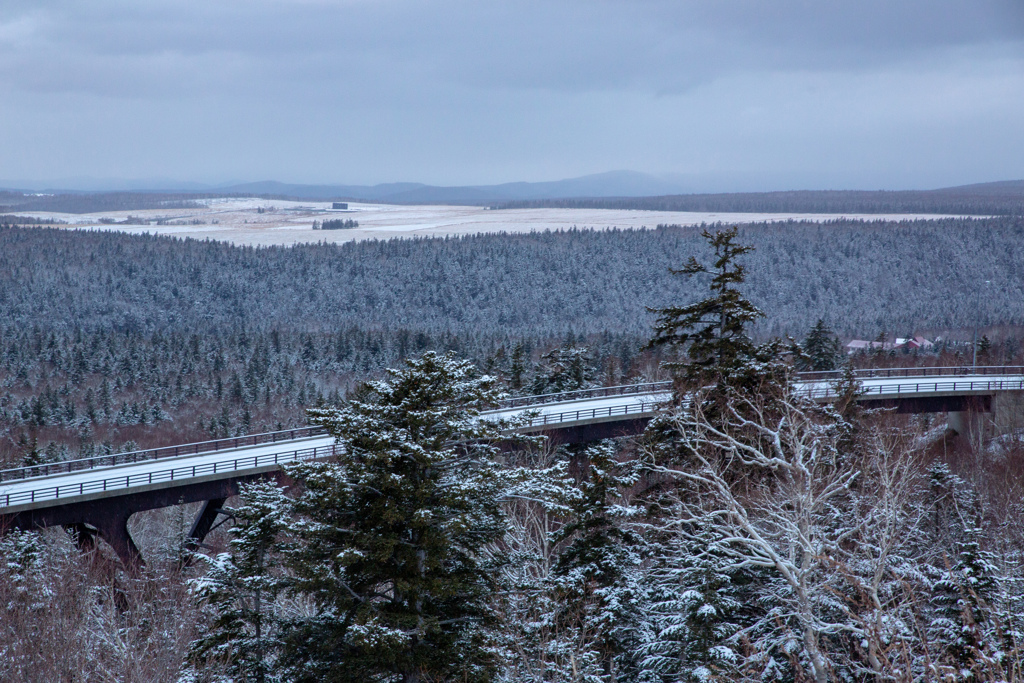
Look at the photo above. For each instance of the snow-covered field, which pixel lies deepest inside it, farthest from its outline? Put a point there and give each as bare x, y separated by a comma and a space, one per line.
241, 221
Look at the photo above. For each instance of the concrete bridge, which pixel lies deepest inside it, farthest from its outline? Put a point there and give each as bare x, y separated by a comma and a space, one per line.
96, 496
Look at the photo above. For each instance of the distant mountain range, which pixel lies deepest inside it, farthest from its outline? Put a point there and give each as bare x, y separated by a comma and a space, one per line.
611, 184
615, 189
626, 185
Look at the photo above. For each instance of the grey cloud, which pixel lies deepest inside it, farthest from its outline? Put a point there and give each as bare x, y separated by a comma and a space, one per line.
648, 45
471, 91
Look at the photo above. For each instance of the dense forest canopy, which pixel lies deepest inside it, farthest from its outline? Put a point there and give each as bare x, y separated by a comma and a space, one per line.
109, 340
861, 277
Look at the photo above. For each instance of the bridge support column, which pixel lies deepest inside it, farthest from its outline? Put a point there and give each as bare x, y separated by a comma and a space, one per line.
114, 530
204, 521
959, 421
971, 424
1008, 412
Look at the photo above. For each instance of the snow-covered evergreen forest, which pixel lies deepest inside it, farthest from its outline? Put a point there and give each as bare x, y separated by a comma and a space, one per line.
861, 277
747, 535
110, 341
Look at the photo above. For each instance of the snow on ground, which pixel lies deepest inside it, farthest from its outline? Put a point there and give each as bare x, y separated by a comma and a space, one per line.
240, 221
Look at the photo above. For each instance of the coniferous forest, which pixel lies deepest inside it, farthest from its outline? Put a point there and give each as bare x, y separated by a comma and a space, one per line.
748, 534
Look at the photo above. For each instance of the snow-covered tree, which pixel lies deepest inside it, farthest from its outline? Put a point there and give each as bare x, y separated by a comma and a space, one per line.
821, 349
692, 623
241, 588
713, 331
537, 502
595, 578
774, 487
970, 628
517, 367
565, 368
392, 538
966, 601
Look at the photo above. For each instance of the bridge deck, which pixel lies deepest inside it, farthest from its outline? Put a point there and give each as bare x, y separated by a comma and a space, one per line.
104, 491
99, 481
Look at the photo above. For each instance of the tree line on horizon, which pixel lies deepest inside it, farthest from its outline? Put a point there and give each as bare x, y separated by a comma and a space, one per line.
1004, 199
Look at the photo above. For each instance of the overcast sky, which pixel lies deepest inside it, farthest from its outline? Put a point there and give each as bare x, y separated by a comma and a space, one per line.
746, 94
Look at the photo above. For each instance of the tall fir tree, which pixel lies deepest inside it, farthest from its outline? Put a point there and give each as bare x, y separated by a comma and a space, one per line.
692, 625
517, 368
595, 577
821, 349
391, 545
564, 369
242, 588
713, 331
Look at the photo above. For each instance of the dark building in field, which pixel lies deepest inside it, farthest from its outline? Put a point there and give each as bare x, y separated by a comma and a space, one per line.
340, 205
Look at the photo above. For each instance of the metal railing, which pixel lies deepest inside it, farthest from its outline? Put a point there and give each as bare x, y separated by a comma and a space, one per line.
823, 390
910, 388
954, 371
125, 481
66, 466
583, 394
828, 391
820, 392
658, 387
592, 413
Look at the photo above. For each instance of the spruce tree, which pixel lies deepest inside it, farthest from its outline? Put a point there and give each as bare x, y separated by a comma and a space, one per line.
984, 348
969, 622
565, 369
821, 348
692, 623
712, 331
595, 576
242, 588
391, 547
517, 368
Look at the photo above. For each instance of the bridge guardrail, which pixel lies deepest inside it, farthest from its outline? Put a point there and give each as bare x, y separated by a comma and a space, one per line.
925, 387
67, 466
958, 370
657, 387
595, 392
639, 408
592, 413
825, 392
171, 474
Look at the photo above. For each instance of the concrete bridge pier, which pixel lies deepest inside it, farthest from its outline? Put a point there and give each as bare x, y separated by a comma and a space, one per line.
965, 415
987, 416
966, 423
112, 528
1008, 412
